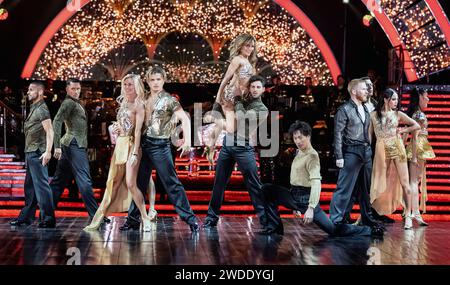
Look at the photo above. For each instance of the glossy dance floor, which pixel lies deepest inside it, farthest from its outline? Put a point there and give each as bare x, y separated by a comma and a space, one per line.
233, 243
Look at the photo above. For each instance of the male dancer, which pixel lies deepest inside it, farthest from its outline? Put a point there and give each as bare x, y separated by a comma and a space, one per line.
156, 143
38, 152
370, 104
353, 155
70, 150
237, 149
305, 190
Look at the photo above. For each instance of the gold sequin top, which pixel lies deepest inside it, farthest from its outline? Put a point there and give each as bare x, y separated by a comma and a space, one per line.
421, 118
388, 126
124, 119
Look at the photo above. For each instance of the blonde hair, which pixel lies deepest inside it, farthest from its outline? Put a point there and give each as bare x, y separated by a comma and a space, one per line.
352, 84
237, 44
138, 87
156, 70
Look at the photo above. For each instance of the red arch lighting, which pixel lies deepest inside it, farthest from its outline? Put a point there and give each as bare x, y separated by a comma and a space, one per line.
288, 5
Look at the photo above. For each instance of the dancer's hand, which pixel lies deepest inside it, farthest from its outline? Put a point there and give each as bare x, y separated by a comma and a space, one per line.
185, 149
208, 118
414, 161
46, 156
133, 159
57, 154
309, 215
227, 106
340, 163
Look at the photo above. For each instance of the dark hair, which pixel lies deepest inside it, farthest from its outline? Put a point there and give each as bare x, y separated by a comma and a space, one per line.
72, 80
39, 84
302, 127
414, 100
387, 94
256, 78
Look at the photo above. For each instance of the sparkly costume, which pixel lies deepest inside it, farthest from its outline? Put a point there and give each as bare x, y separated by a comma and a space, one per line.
386, 192
120, 200
424, 152
243, 74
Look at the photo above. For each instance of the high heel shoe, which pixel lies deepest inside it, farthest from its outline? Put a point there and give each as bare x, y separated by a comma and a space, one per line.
419, 220
147, 225
209, 152
152, 214
408, 222
95, 223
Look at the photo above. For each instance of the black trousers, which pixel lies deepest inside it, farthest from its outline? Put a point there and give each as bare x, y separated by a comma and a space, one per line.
244, 156
354, 176
159, 156
297, 198
37, 190
74, 160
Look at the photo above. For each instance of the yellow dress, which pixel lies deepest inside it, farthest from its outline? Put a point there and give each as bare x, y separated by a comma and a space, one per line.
119, 201
424, 152
386, 193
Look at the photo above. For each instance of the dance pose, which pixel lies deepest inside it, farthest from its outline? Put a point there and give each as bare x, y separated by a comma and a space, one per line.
236, 148
417, 171
70, 150
38, 152
353, 155
164, 113
124, 165
235, 83
390, 168
305, 190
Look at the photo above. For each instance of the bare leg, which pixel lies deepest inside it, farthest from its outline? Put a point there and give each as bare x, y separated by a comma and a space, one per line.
138, 198
402, 170
416, 173
210, 142
151, 198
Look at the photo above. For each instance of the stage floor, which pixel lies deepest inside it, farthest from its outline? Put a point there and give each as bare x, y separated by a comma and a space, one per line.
235, 242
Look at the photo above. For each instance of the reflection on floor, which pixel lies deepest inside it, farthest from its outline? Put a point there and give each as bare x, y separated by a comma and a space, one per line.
234, 242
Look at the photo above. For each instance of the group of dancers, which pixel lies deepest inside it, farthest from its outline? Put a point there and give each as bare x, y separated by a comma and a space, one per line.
146, 122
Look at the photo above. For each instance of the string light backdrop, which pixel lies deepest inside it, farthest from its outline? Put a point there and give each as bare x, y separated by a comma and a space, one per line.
90, 44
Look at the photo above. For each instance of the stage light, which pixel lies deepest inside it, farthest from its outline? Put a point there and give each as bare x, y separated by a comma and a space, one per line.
3, 14
346, 1
367, 20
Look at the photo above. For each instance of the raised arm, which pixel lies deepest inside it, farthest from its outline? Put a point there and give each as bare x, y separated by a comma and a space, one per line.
412, 125
234, 65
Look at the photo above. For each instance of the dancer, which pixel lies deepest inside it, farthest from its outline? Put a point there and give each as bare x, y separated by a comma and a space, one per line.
235, 83
417, 170
390, 169
305, 190
126, 157
353, 155
70, 150
236, 148
38, 152
164, 112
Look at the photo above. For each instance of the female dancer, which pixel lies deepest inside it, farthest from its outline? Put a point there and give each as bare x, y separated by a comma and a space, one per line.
390, 169
126, 157
235, 83
418, 103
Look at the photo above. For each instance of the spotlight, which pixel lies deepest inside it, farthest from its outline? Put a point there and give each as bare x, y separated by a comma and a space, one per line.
346, 1
367, 20
3, 14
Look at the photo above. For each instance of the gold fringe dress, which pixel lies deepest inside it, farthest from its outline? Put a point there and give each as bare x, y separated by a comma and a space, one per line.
424, 152
386, 193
